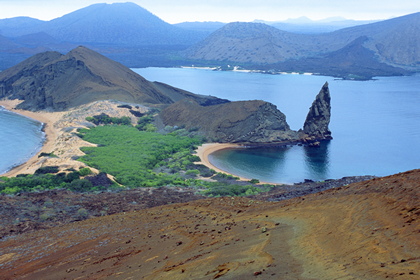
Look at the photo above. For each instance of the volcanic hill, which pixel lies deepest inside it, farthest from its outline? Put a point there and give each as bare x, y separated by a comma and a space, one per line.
383, 48
367, 230
54, 81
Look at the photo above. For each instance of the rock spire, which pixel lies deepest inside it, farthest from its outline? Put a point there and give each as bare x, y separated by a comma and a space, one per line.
318, 118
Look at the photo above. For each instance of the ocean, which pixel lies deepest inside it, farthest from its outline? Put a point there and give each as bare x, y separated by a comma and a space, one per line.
20, 139
375, 124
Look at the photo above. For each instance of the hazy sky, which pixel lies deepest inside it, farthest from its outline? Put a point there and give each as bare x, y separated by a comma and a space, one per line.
174, 11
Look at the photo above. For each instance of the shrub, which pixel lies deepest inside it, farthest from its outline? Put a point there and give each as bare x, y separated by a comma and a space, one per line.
143, 122
100, 180
82, 213
125, 106
80, 185
47, 155
105, 119
85, 171
70, 177
136, 113
47, 169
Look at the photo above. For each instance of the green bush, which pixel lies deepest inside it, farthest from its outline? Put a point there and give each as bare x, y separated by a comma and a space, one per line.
231, 190
82, 214
105, 119
85, 171
145, 123
80, 185
47, 169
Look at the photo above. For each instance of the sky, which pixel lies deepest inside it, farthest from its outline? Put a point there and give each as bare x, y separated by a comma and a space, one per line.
175, 11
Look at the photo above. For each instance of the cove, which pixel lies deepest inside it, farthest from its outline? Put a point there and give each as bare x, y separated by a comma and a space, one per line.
375, 124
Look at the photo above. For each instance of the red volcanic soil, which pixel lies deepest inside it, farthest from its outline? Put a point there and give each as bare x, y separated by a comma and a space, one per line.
366, 230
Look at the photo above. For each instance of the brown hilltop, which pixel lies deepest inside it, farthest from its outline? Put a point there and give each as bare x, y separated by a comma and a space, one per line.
54, 81
367, 230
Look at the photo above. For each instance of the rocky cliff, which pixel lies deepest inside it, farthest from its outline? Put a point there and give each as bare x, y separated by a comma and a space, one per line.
235, 122
54, 81
250, 122
318, 118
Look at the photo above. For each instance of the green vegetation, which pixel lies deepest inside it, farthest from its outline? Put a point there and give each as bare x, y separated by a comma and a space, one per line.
233, 190
149, 159
139, 158
47, 155
125, 106
105, 119
145, 123
135, 158
43, 179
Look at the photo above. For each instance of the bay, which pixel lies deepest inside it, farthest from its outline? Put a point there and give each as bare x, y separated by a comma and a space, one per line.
375, 124
20, 139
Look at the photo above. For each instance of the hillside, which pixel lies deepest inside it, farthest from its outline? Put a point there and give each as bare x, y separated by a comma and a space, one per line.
389, 47
241, 121
366, 230
54, 81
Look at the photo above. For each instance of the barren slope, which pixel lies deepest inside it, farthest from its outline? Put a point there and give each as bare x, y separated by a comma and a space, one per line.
56, 82
367, 230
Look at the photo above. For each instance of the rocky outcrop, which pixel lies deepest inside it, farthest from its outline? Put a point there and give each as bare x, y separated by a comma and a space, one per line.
250, 122
318, 118
235, 122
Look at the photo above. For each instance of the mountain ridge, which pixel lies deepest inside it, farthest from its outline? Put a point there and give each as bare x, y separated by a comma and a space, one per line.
259, 46
135, 37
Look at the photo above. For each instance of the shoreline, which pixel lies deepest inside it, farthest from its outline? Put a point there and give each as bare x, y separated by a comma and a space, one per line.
205, 150
59, 129
47, 120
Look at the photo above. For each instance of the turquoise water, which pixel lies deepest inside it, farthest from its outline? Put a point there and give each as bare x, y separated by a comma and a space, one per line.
375, 124
20, 139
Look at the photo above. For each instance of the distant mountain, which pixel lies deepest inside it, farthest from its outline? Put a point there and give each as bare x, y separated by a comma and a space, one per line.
7, 44
123, 31
54, 81
388, 47
18, 26
118, 24
203, 26
249, 43
304, 25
